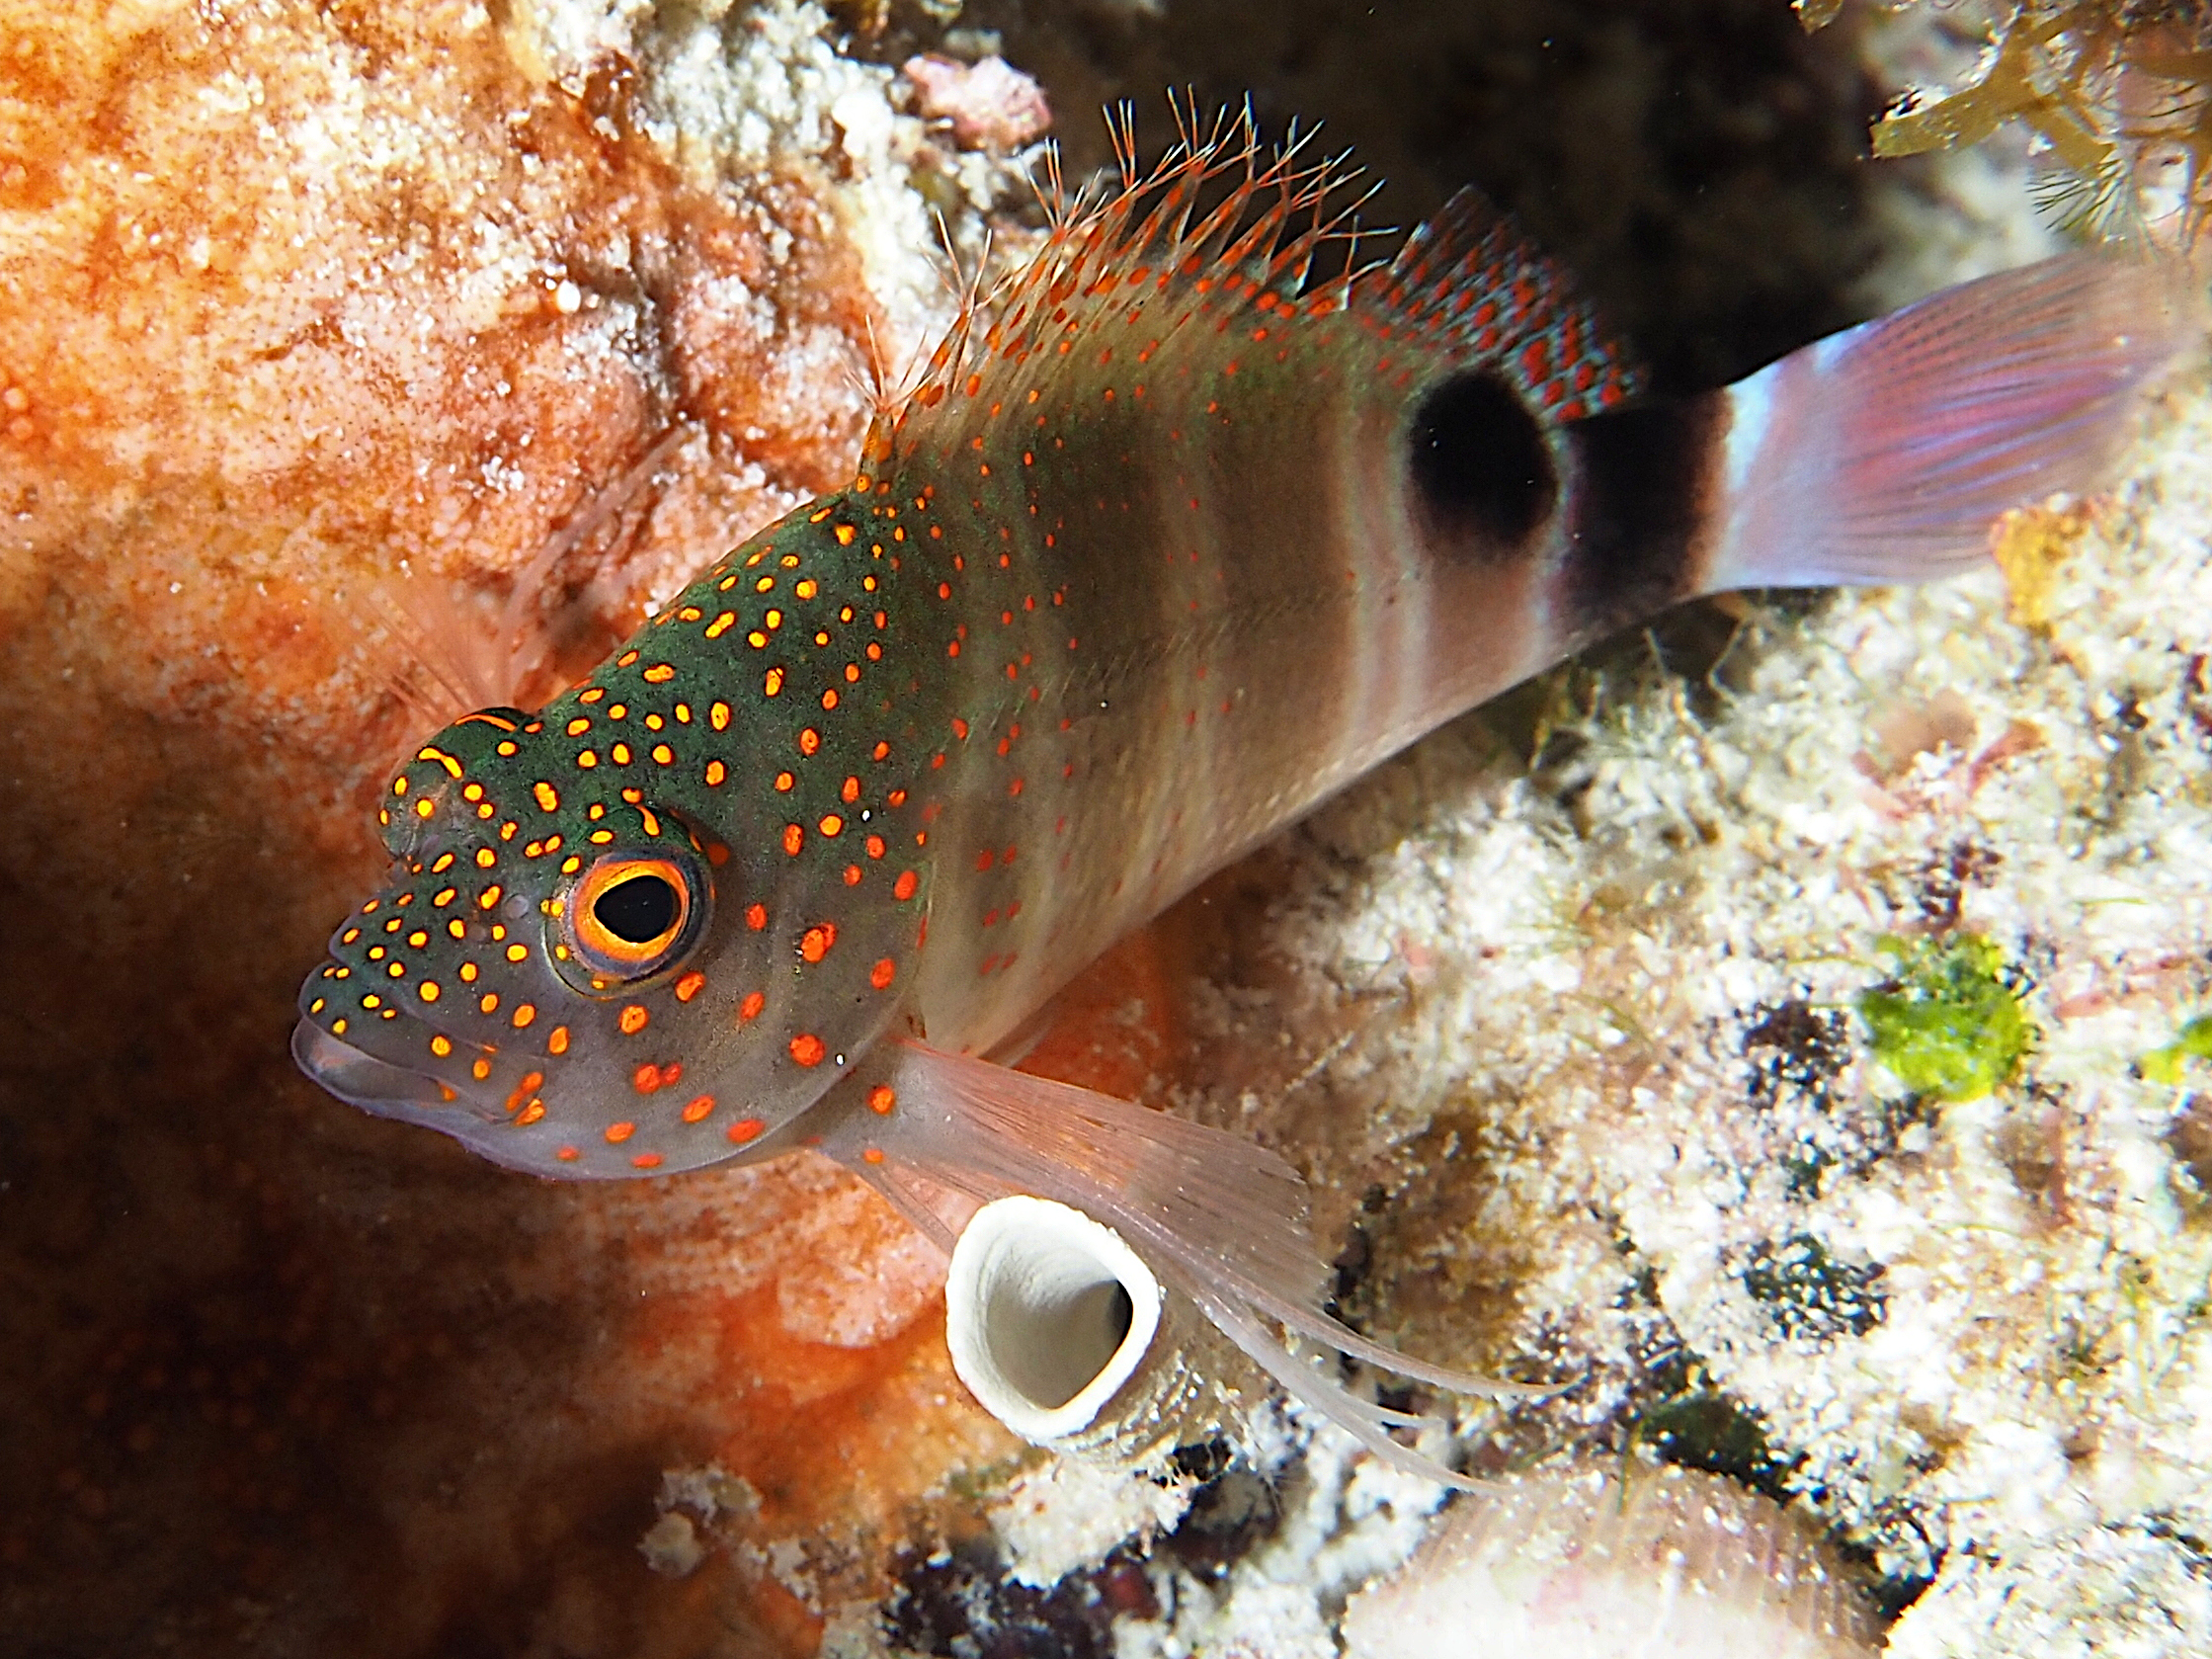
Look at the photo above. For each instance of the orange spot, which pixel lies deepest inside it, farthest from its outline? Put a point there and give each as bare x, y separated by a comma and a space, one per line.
882, 973
524, 1015
873, 1155
808, 1049
690, 985
903, 889
646, 1160
881, 1099
852, 876
556, 1042
809, 741
784, 782
750, 1007
645, 1079
794, 836
530, 1112
773, 684
568, 1154
699, 1109
616, 1134
831, 824
745, 1129
851, 791
756, 916
816, 944
659, 674
632, 1019
829, 698
875, 846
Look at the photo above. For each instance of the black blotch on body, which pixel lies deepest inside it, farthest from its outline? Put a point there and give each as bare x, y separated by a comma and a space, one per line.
1482, 471
1641, 510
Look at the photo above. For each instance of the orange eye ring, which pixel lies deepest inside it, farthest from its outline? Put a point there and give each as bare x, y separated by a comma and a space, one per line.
626, 915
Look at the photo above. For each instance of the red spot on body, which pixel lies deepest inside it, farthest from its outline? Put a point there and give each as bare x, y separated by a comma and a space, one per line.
882, 973
807, 1049
815, 942
698, 1107
745, 1129
750, 1007
756, 916
903, 889
645, 1079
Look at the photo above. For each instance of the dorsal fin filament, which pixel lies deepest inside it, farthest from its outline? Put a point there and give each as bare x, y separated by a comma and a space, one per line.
1154, 236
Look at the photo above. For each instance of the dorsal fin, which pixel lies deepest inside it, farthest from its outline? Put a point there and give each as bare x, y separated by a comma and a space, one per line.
1471, 283
1164, 239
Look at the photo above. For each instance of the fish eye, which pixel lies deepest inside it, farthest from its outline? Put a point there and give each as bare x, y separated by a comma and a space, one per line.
628, 917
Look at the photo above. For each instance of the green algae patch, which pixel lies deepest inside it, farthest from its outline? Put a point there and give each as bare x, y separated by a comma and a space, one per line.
2165, 1065
1946, 1024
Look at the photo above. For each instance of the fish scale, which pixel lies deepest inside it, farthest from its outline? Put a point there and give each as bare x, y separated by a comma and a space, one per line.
1178, 544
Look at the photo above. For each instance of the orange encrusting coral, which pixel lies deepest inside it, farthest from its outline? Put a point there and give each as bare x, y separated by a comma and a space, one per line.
291, 298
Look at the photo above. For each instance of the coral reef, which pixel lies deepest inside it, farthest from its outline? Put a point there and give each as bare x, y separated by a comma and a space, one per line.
1790, 1022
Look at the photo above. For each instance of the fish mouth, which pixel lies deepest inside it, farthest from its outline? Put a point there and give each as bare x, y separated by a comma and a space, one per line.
360, 1078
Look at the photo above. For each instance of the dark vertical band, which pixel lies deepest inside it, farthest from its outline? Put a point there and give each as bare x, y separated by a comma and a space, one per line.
1642, 510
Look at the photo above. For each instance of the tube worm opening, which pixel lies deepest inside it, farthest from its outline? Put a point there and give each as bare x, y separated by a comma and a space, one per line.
1047, 1314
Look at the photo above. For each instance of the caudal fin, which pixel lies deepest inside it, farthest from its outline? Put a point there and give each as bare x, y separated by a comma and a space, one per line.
1882, 453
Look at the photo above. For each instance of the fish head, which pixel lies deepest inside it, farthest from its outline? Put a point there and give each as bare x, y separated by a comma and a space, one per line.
571, 978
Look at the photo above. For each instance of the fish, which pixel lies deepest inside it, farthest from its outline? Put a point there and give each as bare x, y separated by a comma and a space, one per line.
1178, 533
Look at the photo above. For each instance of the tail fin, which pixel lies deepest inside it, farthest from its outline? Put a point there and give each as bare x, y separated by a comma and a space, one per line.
1882, 453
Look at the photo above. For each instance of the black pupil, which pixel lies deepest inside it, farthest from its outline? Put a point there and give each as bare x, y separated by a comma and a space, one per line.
639, 910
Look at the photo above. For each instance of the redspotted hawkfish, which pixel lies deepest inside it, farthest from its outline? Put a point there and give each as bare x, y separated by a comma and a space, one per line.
1170, 540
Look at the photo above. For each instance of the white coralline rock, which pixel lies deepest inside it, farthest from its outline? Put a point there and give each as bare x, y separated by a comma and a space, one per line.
1618, 1563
